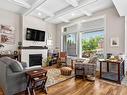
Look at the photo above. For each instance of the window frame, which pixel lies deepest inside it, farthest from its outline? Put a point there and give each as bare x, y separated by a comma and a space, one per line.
76, 40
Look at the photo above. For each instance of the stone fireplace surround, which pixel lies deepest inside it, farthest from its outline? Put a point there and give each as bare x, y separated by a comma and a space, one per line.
25, 52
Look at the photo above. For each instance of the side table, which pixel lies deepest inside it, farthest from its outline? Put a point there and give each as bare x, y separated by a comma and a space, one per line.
34, 77
117, 77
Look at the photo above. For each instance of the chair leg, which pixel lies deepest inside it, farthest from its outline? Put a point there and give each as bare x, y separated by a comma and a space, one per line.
33, 88
43, 86
83, 74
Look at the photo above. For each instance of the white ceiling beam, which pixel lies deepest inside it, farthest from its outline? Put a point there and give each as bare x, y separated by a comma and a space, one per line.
46, 12
74, 3
121, 6
71, 10
34, 7
21, 3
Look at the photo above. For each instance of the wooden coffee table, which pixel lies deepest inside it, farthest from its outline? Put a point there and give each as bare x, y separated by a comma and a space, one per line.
34, 77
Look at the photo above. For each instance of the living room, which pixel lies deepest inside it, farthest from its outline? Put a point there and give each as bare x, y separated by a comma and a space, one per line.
63, 47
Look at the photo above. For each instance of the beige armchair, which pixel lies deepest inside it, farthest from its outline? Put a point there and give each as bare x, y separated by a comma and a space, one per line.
86, 68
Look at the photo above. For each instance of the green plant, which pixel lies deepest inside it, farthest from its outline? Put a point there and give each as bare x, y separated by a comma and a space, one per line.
47, 60
91, 44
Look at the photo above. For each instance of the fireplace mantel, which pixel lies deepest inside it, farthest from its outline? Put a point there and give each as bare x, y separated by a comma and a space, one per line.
35, 47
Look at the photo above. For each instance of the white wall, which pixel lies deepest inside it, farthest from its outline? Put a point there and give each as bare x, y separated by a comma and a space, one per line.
126, 35
114, 27
126, 43
36, 23
12, 19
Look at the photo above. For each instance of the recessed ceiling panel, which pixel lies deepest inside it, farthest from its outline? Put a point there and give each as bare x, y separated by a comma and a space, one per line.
92, 8
38, 14
54, 5
99, 5
73, 15
5, 4
31, 2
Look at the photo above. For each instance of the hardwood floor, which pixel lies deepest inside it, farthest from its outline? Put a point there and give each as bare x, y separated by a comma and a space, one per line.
1, 92
81, 87
84, 87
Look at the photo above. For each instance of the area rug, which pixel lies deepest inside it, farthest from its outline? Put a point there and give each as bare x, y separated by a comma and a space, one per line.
54, 77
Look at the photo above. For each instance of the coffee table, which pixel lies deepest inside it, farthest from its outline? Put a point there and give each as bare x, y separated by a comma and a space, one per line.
34, 77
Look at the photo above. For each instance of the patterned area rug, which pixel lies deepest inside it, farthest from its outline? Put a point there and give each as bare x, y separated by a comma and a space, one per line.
54, 77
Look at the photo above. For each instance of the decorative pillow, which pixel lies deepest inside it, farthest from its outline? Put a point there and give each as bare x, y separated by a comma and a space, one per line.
85, 61
93, 59
16, 66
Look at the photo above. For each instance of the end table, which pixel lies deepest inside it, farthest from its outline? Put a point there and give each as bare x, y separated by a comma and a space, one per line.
34, 77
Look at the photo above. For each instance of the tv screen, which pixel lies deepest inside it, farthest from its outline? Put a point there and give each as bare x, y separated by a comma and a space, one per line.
35, 35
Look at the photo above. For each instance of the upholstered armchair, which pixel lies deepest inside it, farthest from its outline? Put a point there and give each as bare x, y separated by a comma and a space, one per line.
12, 81
90, 67
62, 60
79, 70
86, 68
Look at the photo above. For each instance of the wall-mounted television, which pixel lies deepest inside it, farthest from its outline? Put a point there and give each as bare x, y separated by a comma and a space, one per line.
35, 35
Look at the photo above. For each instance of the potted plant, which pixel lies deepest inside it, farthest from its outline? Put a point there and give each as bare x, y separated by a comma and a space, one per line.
47, 61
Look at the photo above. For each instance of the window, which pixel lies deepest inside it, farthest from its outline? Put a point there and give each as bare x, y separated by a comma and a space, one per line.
92, 42
69, 44
83, 39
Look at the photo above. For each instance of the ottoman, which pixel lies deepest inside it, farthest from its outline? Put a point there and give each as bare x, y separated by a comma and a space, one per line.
66, 71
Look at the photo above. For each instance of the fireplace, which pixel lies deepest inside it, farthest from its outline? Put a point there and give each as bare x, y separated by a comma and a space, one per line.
35, 60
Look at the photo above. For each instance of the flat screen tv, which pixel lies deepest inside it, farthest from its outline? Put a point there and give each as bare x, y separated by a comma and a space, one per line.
35, 35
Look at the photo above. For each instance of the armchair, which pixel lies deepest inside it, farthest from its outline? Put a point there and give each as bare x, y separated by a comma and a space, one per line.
10, 81
86, 68
90, 67
62, 59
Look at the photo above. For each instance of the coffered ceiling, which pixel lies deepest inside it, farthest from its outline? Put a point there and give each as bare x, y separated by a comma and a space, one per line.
56, 11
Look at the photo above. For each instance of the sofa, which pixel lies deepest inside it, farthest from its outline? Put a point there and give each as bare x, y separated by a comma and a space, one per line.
12, 81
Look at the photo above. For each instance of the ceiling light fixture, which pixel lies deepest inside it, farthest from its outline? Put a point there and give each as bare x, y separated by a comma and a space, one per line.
21, 3
72, 14
46, 12
39, 14
74, 3
86, 12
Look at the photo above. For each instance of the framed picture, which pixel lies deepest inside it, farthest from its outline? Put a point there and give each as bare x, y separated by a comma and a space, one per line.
49, 36
7, 39
7, 29
7, 34
115, 42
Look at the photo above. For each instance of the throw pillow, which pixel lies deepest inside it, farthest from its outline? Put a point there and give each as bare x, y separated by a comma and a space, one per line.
93, 59
16, 66
85, 61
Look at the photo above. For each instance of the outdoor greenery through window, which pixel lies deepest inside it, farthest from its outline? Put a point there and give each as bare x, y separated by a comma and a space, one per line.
92, 42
